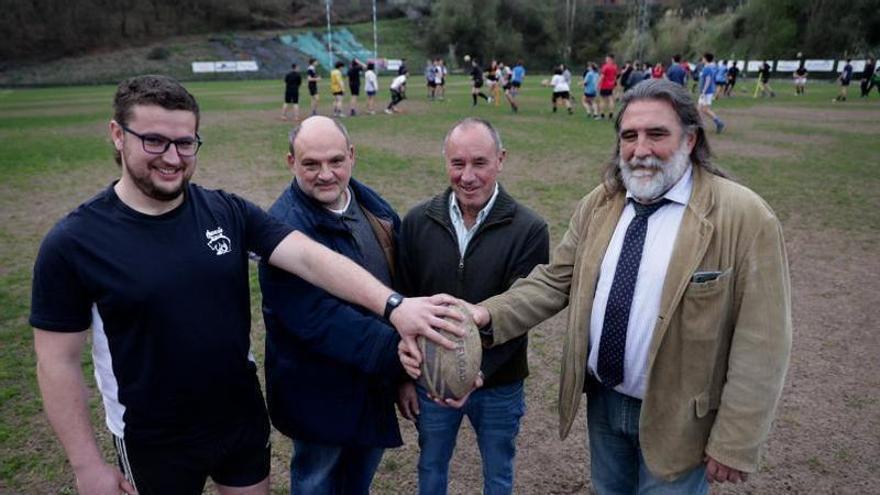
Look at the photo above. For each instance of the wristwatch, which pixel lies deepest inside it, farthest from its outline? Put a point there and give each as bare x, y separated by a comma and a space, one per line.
391, 304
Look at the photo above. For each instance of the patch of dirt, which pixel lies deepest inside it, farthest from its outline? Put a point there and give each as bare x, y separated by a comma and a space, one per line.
844, 120
751, 149
809, 114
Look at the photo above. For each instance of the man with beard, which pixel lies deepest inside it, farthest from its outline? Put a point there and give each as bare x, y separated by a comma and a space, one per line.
679, 313
158, 268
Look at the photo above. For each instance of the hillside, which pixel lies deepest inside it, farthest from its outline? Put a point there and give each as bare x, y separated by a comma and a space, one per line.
174, 56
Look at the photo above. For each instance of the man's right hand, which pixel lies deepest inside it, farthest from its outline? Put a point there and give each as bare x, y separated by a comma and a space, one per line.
102, 479
423, 316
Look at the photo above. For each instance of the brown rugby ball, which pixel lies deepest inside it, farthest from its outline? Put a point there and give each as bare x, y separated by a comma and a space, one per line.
450, 374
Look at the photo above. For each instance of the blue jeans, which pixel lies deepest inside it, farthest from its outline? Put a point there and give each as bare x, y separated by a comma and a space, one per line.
329, 469
616, 462
494, 413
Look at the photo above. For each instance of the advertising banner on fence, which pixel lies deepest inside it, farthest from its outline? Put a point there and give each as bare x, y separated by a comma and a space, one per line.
755, 65
819, 65
857, 65
226, 66
787, 65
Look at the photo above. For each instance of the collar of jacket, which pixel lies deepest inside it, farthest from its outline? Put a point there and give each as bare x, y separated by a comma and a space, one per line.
502, 211
324, 218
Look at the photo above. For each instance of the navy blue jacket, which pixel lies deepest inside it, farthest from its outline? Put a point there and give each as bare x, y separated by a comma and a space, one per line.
331, 367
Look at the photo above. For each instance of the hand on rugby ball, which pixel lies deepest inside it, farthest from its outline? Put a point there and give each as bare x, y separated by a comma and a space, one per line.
424, 316
446, 373
459, 403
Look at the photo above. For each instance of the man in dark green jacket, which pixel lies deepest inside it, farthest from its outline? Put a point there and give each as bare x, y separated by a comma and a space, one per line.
471, 241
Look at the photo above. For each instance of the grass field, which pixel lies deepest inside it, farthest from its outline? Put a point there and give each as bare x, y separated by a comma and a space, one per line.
814, 161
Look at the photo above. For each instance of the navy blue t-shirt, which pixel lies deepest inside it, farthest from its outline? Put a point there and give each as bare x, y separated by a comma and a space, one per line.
168, 300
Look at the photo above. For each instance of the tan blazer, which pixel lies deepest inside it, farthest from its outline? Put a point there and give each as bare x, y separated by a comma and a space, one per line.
720, 348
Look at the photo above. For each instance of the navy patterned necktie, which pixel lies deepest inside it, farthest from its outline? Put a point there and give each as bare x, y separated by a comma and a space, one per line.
612, 345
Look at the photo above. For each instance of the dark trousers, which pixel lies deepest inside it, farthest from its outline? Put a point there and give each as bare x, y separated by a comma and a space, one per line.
396, 98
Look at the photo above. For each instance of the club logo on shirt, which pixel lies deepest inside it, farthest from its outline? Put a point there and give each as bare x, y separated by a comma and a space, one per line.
218, 242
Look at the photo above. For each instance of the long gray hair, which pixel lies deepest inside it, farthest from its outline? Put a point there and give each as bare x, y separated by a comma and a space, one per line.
688, 116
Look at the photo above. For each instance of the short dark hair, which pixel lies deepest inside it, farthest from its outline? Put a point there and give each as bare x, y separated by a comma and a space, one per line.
709, 57
156, 90
339, 64
293, 65
688, 116
312, 60
370, 66
676, 58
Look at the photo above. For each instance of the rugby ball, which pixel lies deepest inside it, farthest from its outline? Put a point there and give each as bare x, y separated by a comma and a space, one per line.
467, 58
451, 373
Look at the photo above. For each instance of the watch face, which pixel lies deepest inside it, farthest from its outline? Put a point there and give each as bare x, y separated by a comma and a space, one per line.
395, 299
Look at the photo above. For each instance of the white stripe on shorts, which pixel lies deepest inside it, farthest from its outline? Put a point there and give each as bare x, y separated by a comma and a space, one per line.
122, 452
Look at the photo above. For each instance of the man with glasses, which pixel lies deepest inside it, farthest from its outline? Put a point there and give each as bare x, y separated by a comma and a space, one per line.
158, 268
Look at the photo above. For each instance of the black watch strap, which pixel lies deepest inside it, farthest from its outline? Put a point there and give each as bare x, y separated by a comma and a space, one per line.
391, 304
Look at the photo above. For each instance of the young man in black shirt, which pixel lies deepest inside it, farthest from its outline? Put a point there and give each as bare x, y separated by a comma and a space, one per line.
292, 82
868, 77
354, 83
477, 83
157, 267
312, 78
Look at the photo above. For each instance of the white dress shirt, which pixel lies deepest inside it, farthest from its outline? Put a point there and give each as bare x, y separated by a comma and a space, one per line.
659, 241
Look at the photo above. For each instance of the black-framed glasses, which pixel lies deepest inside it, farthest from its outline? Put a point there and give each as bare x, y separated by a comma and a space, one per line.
156, 144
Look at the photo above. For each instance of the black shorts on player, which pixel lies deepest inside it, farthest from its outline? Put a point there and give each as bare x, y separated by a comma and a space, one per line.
606, 92
313, 89
354, 89
478, 84
565, 95
237, 457
291, 97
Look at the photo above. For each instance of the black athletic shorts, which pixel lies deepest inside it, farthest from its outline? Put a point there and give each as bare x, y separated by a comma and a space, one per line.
516, 84
507, 86
561, 94
239, 456
291, 97
606, 92
478, 84
313, 89
355, 89
432, 84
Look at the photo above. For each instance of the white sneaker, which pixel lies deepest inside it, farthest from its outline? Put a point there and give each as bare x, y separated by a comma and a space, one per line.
389, 112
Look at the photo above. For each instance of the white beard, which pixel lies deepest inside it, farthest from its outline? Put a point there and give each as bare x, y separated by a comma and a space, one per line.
648, 179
